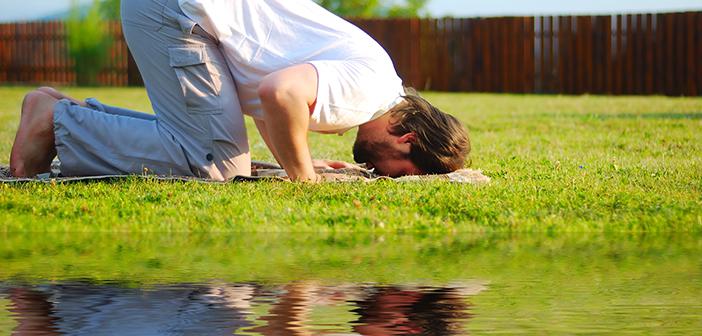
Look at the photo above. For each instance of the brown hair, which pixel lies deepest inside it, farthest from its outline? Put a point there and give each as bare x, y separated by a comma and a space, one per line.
442, 144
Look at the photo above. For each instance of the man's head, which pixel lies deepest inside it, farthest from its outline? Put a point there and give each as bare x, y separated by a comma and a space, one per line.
411, 139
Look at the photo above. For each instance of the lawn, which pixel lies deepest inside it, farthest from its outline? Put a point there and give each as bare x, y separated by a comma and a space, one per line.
558, 163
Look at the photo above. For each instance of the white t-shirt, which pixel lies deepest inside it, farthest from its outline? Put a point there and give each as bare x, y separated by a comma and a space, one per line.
357, 80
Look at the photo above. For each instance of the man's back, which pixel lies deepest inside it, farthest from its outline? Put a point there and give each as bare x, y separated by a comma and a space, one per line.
357, 79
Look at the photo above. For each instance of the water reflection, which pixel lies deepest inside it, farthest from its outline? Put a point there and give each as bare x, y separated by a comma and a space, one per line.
301, 308
350, 284
403, 311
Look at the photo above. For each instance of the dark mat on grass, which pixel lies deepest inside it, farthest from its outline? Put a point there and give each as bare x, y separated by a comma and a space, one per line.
261, 171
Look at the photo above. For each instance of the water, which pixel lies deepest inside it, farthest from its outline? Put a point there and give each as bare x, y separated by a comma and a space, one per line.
263, 284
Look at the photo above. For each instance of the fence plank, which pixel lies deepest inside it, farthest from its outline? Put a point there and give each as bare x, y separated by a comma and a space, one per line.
566, 54
414, 54
607, 36
680, 70
518, 60
651, 50
589, 54
467, 56
671, 55
552, 62
505, 35
597, 56
541, 63
529, 59
488, 55
620, 56
691, 85
478, 64
659, 55
698, 53
638, 54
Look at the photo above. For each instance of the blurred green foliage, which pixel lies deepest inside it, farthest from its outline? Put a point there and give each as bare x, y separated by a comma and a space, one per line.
109, 9
411, 8
375, 8
88, 42
346, 8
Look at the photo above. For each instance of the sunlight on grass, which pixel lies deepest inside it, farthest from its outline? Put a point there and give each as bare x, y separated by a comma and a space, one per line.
559, 163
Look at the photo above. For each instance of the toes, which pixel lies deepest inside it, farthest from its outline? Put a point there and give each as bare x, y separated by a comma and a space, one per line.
17, 168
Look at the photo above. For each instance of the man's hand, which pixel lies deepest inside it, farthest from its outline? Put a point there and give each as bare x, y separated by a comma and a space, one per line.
330, 164
288, 96
332, 177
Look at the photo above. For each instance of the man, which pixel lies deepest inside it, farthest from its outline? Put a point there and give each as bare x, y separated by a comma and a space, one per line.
291, 65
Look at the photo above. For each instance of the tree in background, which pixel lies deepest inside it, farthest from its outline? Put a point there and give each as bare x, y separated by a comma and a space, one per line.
88, 42
352, 8
411, 8
347, 8
375, 8
109, 9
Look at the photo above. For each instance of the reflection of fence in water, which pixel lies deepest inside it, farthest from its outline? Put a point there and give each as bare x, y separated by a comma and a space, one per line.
621, 54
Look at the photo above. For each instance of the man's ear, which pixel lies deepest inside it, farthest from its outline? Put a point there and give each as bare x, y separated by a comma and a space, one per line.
407, 138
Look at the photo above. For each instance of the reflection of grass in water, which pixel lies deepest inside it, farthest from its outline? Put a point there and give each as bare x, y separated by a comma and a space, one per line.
7, 324
329, 319
558, 163
258, 310
557, 283
340, 258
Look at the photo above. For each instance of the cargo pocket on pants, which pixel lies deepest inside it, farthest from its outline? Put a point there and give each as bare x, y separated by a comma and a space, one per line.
199, 81
201, 84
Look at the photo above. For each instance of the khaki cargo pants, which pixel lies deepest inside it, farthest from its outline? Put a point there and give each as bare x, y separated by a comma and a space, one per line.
198, 129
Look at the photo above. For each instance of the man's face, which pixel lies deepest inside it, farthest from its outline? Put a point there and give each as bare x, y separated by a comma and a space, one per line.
384, 157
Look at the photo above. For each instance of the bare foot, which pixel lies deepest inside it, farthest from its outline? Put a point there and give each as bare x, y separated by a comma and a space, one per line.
34, 149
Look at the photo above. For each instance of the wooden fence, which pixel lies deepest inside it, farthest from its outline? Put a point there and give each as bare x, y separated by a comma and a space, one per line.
37, 53
622, 54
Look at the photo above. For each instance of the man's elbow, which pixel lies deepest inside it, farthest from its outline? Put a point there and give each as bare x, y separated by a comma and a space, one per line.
276, 94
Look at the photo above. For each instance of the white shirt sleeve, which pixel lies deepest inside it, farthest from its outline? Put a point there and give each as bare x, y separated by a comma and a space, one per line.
351, 93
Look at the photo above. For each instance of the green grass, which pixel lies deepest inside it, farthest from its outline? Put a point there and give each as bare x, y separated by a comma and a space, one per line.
558, 164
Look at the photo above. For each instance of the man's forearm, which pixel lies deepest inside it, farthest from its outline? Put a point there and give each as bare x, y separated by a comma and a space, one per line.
288, 138
287, 97
263, 131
